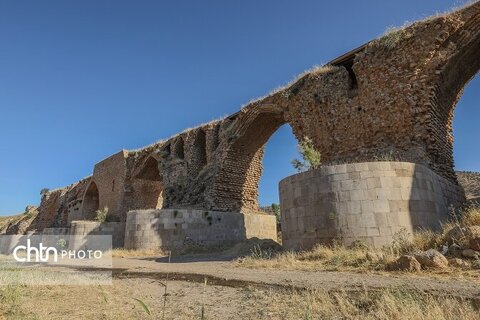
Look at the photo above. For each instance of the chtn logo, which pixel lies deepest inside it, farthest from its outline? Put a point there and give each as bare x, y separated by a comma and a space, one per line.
42, 254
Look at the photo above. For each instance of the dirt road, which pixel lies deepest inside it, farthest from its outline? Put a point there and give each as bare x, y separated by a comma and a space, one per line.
229, 273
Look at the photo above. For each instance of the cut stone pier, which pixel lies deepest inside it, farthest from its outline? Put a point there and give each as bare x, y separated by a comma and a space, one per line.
368, 202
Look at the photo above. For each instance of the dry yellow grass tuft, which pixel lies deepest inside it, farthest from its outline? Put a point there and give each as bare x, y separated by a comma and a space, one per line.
471, 216
121, 301
137, 253
360, 257
384, 304
321, 258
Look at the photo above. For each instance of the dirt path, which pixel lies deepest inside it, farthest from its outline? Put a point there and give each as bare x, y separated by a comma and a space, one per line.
227, 273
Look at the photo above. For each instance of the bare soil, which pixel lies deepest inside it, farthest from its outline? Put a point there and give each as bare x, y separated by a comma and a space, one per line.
219, 270
233, 292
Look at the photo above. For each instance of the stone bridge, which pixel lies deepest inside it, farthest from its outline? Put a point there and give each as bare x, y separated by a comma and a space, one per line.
393, 97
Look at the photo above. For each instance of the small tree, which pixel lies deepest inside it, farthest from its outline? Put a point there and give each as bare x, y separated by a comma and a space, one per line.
101, 215
276, 211
44, 191
311, 158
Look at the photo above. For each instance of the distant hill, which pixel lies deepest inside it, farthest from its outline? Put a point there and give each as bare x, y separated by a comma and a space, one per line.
470, 181
18, 224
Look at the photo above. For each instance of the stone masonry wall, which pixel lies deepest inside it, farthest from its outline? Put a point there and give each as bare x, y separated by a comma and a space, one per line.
80, 229
369, 202
179, 229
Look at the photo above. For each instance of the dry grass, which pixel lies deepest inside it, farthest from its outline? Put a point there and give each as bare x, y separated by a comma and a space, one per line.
186, 301
321, 258
137, 253
471, 216
393, 36
359, 257
385, 304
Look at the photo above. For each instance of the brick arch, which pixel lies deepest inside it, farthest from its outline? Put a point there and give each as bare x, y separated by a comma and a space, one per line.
236, 184
91, 201
147, 186
454, 73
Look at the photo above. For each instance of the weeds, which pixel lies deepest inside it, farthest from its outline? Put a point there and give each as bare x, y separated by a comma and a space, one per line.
382, 304
359, 256
101, 214
165, 285
471, 215
144, 306
135, 253
311, 157
203, 298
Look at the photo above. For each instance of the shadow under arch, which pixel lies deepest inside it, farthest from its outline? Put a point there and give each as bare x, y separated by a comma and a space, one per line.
147, 187
90, 202
199, 153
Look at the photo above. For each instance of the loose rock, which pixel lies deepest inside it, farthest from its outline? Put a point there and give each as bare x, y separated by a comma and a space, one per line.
459, 263
475, 244
406, 263
432, 259
471, 254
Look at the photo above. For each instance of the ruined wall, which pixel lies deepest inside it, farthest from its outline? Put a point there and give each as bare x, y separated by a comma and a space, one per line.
390, 99
58, 207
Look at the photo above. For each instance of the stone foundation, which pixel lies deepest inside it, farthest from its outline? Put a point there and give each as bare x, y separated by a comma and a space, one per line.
369, 202
174, 229
90, 228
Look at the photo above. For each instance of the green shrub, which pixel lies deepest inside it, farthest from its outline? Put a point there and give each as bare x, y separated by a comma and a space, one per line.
276, 211
311, 157
101, 215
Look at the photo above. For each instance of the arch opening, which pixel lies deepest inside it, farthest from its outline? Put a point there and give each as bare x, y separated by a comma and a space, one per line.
91, 202
458, 72
199, 153
466, 132
237, 185
179, 148
148, 187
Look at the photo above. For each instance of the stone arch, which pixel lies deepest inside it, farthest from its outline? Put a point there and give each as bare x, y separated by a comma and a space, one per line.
91, 201
236, 186
198, 158
453, 76
179, 151
147, 186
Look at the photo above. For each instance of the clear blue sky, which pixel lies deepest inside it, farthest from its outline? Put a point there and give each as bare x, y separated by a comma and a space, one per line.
80, 80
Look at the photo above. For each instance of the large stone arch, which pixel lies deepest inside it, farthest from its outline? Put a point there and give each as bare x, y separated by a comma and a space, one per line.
91, 201
235, 187
456, 62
